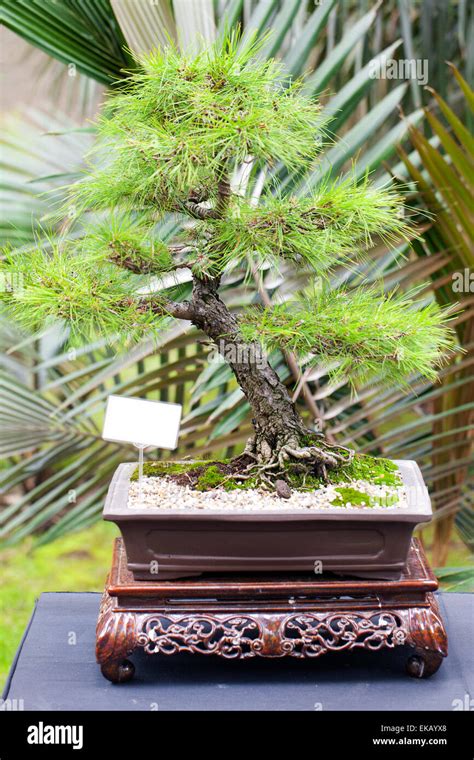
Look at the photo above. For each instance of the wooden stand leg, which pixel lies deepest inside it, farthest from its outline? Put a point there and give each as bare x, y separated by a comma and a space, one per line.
423, 664
427, 636
116, 638
118, 672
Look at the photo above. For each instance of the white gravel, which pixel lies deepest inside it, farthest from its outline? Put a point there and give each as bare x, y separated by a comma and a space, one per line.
164, 493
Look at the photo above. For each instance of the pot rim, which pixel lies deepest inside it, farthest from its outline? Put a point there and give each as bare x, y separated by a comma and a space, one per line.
418, 510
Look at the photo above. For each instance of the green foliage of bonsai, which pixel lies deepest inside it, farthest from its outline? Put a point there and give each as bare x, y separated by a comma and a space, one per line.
369, 334
179, 122
322, 229
169, 142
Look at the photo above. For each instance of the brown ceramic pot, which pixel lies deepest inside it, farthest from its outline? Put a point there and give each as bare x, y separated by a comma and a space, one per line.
366, 543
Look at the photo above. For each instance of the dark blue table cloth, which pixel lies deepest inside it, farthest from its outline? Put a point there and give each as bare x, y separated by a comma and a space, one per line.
55, 669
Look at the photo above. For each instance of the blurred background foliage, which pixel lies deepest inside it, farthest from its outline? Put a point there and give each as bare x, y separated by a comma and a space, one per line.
56, 468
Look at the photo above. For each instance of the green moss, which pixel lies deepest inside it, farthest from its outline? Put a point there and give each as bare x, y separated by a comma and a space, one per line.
309, 440
375, 470
241, 485
351, 496
159, 469
212, 477
356, 498
388, 500
301, 483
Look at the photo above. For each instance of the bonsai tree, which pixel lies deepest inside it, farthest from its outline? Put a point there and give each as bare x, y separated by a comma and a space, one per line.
171, 139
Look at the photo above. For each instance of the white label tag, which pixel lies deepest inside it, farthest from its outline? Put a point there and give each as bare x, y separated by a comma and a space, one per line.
144, 423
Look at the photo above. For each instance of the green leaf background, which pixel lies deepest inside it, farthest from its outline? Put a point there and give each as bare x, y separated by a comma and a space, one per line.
56, 467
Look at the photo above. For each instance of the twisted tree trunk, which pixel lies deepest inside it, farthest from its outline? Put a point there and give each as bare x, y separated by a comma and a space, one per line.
275, 418
280, 433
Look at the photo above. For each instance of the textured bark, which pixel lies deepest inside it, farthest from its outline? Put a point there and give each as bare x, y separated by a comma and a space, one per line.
275, 418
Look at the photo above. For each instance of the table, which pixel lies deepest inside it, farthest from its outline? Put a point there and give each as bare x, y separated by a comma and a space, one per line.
56, 669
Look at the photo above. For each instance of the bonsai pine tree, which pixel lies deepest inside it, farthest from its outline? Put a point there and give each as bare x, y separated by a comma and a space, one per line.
170, 140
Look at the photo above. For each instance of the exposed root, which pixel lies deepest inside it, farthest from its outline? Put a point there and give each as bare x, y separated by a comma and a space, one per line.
321, 458
315, 458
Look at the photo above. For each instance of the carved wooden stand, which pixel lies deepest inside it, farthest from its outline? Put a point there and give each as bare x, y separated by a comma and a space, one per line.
296, 615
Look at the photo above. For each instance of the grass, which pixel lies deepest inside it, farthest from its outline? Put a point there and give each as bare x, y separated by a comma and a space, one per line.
80, 562
76, 562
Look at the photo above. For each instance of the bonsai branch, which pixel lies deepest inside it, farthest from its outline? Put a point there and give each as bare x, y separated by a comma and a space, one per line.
162, 308
199, 212
193, 205
149, 265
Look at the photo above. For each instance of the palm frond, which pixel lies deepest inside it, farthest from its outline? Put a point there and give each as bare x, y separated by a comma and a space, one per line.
53, 436
86, 34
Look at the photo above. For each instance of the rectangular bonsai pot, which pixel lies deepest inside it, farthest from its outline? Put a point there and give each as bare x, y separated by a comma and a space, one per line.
367, 542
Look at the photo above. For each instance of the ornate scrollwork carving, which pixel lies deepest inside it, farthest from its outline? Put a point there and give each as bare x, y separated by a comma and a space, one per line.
236, 636
241, 636
311, 635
